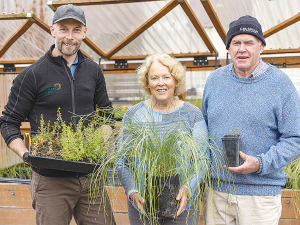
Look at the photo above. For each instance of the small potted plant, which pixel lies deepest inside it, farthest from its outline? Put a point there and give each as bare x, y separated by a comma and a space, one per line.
232, 146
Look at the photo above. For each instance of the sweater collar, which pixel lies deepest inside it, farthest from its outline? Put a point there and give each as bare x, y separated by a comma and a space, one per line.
263, 73
59, 59
261, 68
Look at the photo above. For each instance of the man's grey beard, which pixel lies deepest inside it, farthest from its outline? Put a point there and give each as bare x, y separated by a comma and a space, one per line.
65, 53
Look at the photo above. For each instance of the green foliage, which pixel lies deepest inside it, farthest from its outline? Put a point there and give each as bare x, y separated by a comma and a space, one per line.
16, 171
292, 171
196, 102
141, 97
83, 141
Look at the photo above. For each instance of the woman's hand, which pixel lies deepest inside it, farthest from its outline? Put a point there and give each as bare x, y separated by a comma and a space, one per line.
182, 196
138, 200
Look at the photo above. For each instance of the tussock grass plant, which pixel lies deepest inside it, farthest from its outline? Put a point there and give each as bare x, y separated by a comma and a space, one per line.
148, 149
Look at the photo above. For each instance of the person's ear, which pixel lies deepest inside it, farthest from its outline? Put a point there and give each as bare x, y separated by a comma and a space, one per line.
84, 32
52, 31
262, 46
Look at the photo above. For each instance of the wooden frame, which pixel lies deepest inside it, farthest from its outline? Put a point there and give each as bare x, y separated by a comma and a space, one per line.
214, 19
30, 19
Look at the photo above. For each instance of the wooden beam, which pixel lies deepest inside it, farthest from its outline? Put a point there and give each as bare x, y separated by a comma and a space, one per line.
18, 62
167, 8
284, 62
55, 4
282, 25
281, 51
87, 55
193, 18
187, 64
182, 55
13, 16
15, 37
214, 19
41, 24
94, 47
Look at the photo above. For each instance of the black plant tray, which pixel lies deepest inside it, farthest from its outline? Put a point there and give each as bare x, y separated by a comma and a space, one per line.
60, 164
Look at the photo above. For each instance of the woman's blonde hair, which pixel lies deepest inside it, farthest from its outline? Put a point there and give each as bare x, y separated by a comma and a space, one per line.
176, 69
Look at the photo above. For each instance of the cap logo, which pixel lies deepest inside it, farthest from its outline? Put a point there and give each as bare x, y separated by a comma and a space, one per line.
248, 29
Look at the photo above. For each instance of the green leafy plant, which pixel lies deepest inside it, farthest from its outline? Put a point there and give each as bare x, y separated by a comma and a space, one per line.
86, 140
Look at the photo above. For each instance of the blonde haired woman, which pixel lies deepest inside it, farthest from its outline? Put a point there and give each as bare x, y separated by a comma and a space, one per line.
162, 77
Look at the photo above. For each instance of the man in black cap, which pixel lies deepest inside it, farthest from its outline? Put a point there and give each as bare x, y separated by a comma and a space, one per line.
259, 102
63, 78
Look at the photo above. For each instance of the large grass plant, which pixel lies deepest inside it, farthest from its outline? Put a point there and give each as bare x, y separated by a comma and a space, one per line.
150, 150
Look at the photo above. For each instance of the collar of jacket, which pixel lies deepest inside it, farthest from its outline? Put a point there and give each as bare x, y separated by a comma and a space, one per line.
58, 60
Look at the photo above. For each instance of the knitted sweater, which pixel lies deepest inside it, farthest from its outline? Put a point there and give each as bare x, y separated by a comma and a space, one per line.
265, 110
186, 118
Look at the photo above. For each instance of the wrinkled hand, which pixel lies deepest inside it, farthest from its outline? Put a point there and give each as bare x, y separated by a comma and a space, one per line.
138, 200
250, 165
182, 196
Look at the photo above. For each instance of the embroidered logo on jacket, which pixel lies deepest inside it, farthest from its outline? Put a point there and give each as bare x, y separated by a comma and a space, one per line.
56, 87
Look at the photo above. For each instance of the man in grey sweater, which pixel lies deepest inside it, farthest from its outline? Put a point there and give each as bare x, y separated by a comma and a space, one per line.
259, 102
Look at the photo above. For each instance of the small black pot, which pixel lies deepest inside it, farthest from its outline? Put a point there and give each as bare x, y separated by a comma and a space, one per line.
164, 203
231, 147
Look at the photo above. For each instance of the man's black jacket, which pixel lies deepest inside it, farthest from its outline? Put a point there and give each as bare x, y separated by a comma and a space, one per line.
47, 85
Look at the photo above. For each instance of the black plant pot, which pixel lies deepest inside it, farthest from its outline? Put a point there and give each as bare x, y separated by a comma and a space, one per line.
164, 203
231, 147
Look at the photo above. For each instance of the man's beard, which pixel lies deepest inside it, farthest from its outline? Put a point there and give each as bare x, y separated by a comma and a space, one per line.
60, 48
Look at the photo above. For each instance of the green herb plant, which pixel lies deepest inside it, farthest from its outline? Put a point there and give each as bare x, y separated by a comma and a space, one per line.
84, 141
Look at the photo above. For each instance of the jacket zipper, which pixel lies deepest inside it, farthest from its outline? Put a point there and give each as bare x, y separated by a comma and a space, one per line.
72, 90
73, 93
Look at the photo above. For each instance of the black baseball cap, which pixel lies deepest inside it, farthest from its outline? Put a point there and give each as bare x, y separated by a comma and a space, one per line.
69, 12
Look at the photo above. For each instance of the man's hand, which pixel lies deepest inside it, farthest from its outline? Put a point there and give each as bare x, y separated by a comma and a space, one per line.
250, 165
26, 157
138, 200
182, 196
